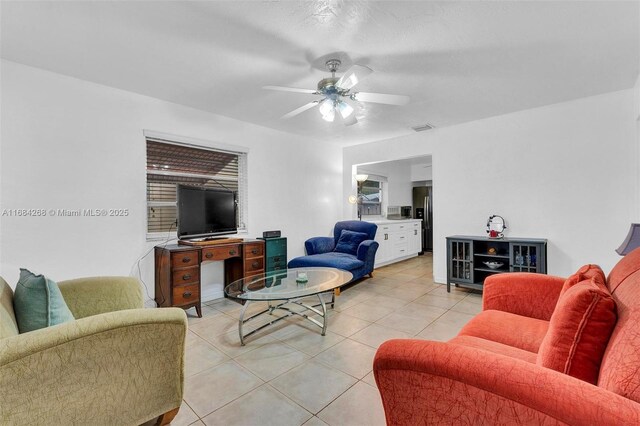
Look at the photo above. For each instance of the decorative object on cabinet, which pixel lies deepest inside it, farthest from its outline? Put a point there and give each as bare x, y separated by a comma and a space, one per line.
493, 265
631, 242
275, 253
496, 226
177, 269
467, 258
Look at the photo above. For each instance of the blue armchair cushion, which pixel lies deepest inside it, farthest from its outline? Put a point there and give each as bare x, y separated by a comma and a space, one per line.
334, 259
349, 242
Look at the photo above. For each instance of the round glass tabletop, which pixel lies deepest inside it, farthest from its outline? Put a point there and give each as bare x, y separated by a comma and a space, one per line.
289, 284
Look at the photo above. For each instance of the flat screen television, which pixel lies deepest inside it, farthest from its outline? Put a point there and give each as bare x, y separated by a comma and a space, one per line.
206, 212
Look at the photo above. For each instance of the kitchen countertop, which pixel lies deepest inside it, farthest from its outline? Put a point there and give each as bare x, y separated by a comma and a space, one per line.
388, 221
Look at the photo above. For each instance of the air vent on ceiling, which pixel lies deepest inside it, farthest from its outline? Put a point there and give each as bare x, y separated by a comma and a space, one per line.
423, 127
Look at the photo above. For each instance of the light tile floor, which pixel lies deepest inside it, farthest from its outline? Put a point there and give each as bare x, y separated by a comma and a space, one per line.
289, 374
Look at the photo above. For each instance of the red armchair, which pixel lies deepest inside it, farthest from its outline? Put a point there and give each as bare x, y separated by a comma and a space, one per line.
488, 374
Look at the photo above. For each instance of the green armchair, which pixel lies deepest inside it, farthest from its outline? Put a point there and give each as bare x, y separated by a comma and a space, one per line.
116, 364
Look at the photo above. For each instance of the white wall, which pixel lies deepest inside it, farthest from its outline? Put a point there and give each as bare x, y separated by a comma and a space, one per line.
421, 172
565, 172
68, 143
636, 114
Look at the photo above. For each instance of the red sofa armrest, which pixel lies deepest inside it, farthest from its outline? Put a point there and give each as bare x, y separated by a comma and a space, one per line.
425, 382
527, 294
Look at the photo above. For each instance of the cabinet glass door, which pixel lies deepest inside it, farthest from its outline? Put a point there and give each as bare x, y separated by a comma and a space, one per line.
460, 267
526, 258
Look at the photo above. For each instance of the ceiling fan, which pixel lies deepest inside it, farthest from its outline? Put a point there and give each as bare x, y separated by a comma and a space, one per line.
336, 92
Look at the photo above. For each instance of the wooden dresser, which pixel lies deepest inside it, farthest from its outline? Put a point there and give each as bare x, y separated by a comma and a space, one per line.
177, 269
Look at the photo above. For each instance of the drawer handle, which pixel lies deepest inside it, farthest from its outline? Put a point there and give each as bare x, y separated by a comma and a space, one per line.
232, 252
208, 255
276, 259
415, 232
255, 251
277, 268
187, 294
186, 259
255, 264
186, 277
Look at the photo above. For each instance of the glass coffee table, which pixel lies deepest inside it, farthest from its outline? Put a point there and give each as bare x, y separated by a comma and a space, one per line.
286, 289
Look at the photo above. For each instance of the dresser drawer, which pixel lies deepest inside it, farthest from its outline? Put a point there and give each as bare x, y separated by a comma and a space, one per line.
183, 295
251, 265
277, 268
272, 265
185, 276
184, 258
277, 247
276, 259
254, 276
253, 250
222, 252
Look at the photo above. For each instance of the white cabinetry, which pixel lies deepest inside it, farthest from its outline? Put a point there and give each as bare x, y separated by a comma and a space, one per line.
398, 240
415, 237
384, 249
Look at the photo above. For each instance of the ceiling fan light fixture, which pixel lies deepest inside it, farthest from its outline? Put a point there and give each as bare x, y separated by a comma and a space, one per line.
326, 105
335, 91
345, 109
329, 117
327, 110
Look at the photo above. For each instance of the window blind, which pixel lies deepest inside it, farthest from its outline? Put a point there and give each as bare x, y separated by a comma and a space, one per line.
170, 164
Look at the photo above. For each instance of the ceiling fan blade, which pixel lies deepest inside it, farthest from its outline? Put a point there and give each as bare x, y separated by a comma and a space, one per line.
302, 109
290, 89
353, 76
381, 98
350, 120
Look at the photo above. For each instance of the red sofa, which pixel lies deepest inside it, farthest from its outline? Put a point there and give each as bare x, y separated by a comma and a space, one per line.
490, 372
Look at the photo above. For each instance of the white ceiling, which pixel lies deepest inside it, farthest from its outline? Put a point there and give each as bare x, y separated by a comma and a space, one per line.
459, 61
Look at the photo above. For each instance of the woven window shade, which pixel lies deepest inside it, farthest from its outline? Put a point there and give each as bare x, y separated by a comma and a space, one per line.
170, 164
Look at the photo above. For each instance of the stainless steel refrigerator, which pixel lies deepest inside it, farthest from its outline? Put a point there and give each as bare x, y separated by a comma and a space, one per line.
423, 209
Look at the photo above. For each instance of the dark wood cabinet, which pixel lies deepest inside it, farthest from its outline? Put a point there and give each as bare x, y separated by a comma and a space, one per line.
177, 269
472, 259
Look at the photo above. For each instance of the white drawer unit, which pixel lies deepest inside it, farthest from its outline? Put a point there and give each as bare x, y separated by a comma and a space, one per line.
415, 238
398, 240
384, 249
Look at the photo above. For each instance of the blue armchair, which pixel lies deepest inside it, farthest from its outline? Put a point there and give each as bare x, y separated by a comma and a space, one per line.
321, 250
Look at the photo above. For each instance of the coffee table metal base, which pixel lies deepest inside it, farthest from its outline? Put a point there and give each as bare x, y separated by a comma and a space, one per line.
282, 307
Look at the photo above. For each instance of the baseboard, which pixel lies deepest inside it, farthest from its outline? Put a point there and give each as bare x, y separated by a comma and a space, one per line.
209, 294
440, 280
396, 260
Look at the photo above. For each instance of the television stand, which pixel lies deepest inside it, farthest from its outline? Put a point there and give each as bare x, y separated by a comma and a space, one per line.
177, 267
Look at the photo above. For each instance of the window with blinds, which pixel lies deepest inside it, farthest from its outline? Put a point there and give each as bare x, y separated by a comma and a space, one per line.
170, 163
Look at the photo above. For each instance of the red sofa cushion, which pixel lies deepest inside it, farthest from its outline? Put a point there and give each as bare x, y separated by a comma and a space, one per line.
586, 272
509, 329
494, 347
579, 330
